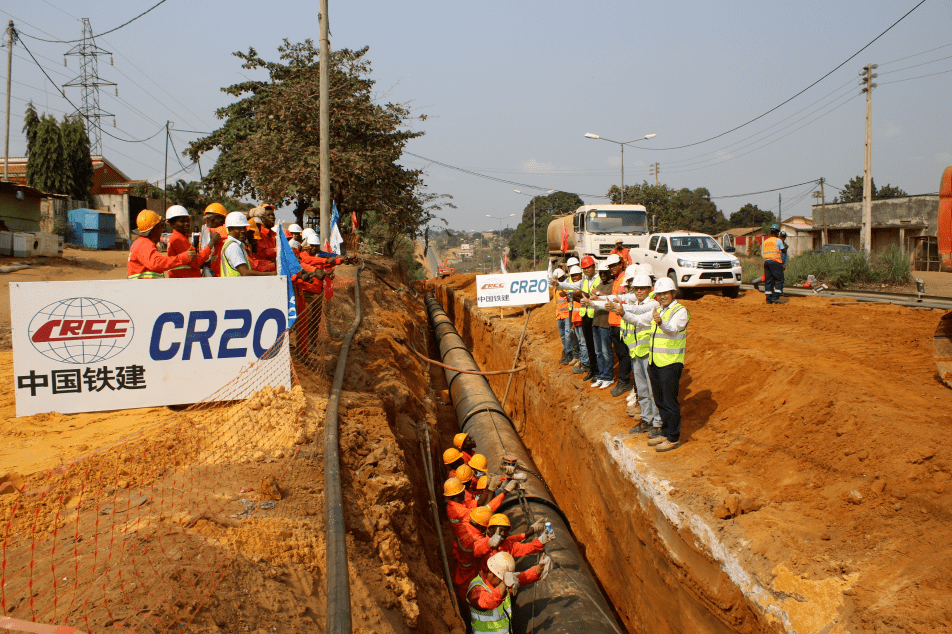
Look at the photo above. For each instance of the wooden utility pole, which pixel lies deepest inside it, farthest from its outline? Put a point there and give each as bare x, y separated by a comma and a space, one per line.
866, 239
324, 126
823, 232
779, 208
655, 172
165, 183
6, 143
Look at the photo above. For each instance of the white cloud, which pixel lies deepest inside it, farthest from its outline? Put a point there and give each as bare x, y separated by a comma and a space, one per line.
535, 166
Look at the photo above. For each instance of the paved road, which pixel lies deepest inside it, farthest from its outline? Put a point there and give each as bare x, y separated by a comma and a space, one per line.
936, 283
432, 261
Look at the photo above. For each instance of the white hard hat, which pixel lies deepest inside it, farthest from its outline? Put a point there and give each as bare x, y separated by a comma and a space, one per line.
575, 270
664, 285
614, 258
308, 232
176, 211
558, 273
236, 219
501, 563
602, 266
571, 261
294, 229
642, 279
630, 271
313, 239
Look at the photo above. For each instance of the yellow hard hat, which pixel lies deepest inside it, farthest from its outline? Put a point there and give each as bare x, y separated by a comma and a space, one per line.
146, 220
499, 519
452, 487
481, 515
478, 462
482, 483
451, 455
216, 208
464, 474
458, 439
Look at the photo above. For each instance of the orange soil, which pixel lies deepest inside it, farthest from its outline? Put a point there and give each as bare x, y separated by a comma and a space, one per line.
817, 442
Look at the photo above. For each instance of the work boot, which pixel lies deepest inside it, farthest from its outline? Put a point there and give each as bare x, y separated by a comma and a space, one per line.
657, 440
640, 428
580, 369
667, 445
566, 358
633, 410
575, 362
621, 388
655, 433
589, 376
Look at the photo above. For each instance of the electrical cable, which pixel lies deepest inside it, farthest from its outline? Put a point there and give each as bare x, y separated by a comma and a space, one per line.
101, 34
816, 180
916, 54
915, 65
796, 95
896, 81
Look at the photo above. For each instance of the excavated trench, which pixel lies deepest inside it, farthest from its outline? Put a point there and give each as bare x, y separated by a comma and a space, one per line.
663, 568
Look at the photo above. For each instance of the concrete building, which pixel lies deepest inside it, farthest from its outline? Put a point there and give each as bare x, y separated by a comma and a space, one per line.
908, 222
22, 208
800, 237
107, 178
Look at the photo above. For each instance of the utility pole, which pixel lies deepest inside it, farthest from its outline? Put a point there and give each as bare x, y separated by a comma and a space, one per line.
654, 170
823, 234
6, 144
165, 183
779, 208
866, 239
324, 125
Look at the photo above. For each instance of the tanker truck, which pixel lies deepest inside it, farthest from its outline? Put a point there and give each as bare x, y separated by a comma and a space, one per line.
593, 229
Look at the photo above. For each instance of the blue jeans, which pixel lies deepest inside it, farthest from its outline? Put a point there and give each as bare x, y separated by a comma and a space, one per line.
649, 411
603, 350
582, 348
565, 328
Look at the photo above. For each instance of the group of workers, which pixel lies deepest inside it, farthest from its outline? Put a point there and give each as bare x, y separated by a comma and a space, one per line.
484, 550
607, 312
237, 246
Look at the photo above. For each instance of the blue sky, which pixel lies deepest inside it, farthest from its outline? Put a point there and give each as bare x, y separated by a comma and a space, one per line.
511, 88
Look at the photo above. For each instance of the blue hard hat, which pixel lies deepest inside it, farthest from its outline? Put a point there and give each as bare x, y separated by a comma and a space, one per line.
775, 227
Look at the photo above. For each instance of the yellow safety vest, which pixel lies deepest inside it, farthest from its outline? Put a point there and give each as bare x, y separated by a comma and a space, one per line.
495, 620
226, 269
587, 286
640, 334
666, 349
148, 275
771, 252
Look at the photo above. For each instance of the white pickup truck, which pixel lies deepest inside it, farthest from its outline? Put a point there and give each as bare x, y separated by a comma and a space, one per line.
694, 261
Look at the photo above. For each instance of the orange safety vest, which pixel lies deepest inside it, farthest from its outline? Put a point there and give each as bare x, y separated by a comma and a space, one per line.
614, 319
562, 306
770, 250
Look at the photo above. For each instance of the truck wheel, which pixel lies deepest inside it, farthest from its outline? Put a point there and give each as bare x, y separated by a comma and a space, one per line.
678, 293
731, 291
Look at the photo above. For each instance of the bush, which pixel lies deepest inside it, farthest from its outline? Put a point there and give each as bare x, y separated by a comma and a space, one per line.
836, 269
893, 267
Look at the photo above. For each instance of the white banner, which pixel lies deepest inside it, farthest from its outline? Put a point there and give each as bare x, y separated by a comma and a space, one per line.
116, 344
512, 289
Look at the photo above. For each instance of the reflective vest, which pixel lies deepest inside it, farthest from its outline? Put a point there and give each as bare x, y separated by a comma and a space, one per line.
771, 251
562, 306
614, 319
632, 333
576, 314
587, 286
495, 620
148, 275
667, 349
226, 268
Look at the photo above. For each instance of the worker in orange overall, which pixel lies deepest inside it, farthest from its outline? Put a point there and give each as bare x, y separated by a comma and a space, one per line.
145, 262
467, 534
489, 593
180, 242
772, 252
497, 540
464, 474
465, 444
458, 505
452, 459
267, 248
616, 268
215, 221
621, 252
253, 237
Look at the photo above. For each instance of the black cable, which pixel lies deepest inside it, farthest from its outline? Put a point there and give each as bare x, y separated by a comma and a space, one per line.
101, 34
189, 131
796, 95
177, 157
81, 113
816, 180
915, 65
896, 81
916, 54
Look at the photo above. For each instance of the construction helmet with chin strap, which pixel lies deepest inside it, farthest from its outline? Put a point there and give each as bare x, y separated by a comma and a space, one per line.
147, 220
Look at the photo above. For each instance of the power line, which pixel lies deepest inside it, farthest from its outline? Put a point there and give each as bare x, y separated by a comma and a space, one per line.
101, 34
767, 191
916, 54
915, 65
896, 81
796, 95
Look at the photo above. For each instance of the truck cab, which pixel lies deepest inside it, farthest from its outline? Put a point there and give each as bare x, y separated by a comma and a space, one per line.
593, 230
694, 262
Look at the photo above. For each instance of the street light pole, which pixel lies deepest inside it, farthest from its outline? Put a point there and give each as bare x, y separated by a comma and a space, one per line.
500, 219
549, 191
589, 135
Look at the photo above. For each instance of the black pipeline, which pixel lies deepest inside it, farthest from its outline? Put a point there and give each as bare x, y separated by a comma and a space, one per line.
569, 600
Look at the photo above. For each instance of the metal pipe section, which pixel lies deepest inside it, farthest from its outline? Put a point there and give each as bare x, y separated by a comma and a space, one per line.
338, 577
569, 600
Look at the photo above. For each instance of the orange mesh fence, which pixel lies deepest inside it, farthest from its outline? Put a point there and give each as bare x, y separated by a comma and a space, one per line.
135, 536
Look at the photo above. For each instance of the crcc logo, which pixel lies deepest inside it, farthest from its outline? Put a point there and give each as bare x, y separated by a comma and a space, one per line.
81, 330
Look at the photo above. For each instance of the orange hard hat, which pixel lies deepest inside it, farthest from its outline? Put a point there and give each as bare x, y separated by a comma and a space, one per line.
482, 483
478, 462
464, 474
451, 455
481, 515
146, 220
458, 439
452, 487
253, 226
499, 519
216, 208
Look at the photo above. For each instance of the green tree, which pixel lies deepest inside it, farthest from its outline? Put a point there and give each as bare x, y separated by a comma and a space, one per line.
78, 172
187, 194
751, 216
889, 191
853, 191
58, 158
546, 208
674, 209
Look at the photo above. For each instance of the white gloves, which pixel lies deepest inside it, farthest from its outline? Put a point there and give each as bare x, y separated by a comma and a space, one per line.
546, 563
546, 537
512, 582
495, 540
510, 486
537, 527
519, 476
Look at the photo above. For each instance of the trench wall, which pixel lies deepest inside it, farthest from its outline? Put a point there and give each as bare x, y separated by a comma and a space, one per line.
663, 567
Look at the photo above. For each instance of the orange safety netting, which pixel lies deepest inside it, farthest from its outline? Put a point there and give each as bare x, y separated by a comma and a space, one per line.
134, 536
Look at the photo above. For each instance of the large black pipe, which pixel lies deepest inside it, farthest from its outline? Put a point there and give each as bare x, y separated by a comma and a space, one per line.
569, 600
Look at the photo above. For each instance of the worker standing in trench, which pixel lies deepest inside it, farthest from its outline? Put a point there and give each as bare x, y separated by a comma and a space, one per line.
489, 594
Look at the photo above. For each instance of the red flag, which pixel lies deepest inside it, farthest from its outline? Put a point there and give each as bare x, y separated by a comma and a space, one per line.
327, 246
353, 220
565, 238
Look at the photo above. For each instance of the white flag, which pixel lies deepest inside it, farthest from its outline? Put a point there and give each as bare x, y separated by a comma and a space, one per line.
336, 239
